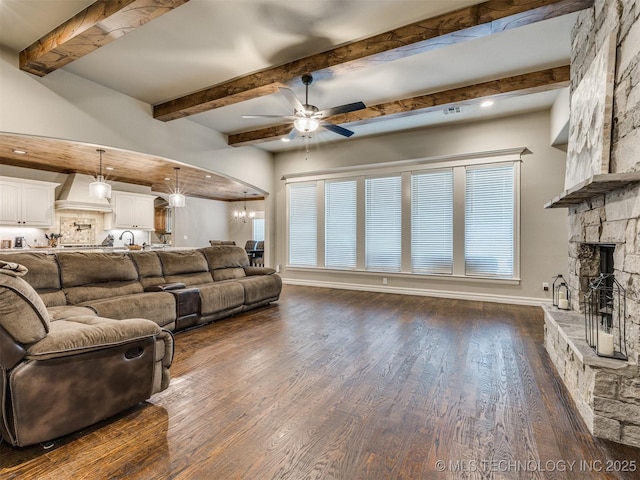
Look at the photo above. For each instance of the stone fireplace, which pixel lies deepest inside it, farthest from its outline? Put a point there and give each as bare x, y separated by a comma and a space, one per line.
604, 233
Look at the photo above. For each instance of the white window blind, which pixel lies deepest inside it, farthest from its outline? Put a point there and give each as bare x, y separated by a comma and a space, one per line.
489, 221
432, 222
303, 215
383, 223
340, 224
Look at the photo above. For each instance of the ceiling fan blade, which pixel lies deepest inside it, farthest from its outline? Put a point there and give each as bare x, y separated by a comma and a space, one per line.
287, 92
337, 129
292, 134
268, 116
349, 107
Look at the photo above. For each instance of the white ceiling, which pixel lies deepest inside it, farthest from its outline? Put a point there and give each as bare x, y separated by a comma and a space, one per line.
205, 42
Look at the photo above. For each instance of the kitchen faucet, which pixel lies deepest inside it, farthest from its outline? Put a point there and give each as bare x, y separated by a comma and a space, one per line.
132, 237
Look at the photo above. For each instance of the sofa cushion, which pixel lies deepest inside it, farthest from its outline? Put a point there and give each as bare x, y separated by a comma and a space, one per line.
188, 267
219, 297
63, 312
225, 256
84, 268
22, 313
89, 332
149, 268
190, 279
258, 289
86, 293
43, 275
43, 269
182, 262
157, 306
222, 274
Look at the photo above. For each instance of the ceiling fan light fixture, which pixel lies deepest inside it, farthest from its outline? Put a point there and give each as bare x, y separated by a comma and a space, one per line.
100, 188
306, 124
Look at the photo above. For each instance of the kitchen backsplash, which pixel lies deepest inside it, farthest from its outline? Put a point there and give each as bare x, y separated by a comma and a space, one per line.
78, 229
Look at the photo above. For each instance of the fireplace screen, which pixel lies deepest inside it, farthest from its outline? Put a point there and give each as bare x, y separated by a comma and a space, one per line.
605, 317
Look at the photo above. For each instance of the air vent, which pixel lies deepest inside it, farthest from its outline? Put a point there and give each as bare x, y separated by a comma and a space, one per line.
452, 110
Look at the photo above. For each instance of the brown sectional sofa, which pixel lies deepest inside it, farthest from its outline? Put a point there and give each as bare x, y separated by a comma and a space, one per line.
77, 327
134, 284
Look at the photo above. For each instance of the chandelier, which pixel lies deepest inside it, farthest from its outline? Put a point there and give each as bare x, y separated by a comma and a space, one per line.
243, 215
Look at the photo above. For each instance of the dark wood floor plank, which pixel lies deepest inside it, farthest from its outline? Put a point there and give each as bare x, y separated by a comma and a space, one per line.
336, 384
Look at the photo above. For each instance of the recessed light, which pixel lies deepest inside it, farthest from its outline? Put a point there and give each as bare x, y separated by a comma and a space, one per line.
207, 176
167, 178
108, 168
285, 139
19, 152
486, 103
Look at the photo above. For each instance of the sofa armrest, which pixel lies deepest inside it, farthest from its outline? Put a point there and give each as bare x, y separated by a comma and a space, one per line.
87, 333
251, 271
164, 287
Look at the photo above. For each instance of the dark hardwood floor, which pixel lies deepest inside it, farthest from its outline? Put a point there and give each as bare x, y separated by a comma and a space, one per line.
336, 384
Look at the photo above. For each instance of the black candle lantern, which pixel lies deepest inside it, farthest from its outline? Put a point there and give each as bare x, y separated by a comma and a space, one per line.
605, 317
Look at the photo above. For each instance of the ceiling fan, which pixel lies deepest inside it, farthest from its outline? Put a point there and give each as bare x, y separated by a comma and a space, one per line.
308, 118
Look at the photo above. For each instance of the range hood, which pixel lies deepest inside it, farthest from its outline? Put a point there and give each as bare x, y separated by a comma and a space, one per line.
75, 195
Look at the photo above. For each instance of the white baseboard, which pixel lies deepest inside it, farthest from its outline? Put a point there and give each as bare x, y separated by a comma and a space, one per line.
478, 297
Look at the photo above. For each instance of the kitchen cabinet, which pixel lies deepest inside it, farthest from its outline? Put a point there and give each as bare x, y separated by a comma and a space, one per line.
130, 210
26, 203
162, 220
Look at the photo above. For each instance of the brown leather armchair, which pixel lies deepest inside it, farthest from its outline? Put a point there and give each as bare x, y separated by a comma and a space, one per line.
65, 368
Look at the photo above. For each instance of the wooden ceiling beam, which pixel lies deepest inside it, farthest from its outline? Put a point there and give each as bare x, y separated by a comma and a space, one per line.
461, 25
95, 26
518, 85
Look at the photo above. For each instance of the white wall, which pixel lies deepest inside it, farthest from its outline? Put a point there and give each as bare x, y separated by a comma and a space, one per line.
543, 232
63, 105
200, 221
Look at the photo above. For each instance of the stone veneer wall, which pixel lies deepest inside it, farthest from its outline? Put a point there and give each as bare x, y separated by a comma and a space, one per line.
613, 218
608, 396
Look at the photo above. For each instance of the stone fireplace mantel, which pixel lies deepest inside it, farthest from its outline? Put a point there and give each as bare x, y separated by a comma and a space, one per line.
592, 187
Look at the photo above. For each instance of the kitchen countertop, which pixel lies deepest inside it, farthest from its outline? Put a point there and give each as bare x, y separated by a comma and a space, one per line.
105, 249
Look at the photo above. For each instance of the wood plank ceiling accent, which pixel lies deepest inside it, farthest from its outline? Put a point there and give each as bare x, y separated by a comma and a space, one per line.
526, 84
461, 25
95, 26
65, 156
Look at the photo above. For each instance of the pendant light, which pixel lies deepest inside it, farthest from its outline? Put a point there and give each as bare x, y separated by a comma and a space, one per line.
176, 199
100, 188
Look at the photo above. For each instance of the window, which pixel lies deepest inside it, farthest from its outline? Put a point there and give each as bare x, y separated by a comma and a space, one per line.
340, 224
453, 216
489, 221
258, 226
432, 222
383, 224
303, 220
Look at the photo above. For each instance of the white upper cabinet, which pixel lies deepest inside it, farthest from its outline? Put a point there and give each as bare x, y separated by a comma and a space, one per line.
131, 210
26, 203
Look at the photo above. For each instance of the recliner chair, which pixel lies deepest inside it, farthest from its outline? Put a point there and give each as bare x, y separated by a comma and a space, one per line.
65, 368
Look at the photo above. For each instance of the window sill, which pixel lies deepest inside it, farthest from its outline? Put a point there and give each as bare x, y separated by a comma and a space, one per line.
424, 276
